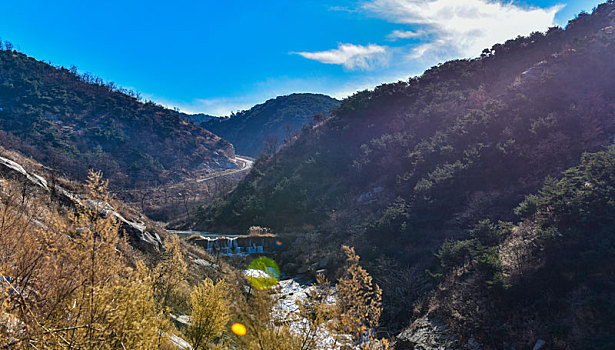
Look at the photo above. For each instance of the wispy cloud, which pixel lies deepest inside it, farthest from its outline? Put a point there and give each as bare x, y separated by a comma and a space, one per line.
403, 34
218, 106
463, 27
440, 29
350, 56
344, 9
270, 88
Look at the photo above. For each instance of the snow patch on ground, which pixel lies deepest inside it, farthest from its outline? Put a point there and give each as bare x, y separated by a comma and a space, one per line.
289, 294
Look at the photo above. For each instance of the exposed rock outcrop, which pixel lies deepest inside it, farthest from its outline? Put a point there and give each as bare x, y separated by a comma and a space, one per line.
426, 334
135, 230
12, 169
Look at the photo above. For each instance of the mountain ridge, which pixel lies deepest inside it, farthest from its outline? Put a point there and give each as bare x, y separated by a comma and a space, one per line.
76, 122
274, 122
398, 170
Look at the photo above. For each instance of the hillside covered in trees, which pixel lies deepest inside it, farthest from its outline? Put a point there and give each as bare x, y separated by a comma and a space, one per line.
402, 168
197, 118
74, 122
273, 122
548, 277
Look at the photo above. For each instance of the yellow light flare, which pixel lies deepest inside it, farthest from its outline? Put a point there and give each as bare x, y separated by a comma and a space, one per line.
239, 329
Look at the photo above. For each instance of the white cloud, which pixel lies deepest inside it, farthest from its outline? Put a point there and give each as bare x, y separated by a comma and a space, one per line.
352, 57
403, 34
443, 29
463, 27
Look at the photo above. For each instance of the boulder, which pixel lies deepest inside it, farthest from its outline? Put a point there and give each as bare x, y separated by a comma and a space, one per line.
427, 334
539, 344
290, 268
607, 33
324, 262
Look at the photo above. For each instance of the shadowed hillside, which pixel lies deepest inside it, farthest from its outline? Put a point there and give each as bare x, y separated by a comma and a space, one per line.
273, 122
399, 169
548, 279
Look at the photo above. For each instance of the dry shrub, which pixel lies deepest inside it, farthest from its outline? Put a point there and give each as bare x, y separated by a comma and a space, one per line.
68, 283
210, 313
258, 231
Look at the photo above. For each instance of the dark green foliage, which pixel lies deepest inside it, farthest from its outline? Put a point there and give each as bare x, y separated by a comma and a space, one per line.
560, 270
75, 123
272, 123
478, 254
490, 234
466, 140
575, 213
408, 165
583, 200
393, 220
454, 254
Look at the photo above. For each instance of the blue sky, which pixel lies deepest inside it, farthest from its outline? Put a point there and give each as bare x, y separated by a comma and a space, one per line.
219, 56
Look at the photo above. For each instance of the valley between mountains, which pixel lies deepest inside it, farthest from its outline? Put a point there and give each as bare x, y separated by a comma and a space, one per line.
469, 207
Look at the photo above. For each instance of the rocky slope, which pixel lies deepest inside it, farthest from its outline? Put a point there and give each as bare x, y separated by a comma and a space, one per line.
60, 193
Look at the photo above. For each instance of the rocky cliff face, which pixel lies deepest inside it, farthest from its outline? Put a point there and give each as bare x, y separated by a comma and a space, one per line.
136, 230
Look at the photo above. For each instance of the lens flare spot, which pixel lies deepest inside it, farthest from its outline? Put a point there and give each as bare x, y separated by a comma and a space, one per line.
239, 329
263, 273
278, 243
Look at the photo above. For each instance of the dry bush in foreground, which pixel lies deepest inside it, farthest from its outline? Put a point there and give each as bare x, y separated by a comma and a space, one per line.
65, 281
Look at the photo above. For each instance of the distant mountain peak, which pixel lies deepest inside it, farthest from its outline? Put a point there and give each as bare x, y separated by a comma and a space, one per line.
273, 121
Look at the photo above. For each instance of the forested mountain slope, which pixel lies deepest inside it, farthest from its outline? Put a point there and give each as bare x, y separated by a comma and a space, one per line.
197, 118
74, 123
399, 169
548, 279
274, 121
466, 137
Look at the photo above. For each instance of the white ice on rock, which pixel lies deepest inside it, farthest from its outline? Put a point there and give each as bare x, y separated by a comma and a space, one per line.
138, 229
289, 294
14, 166
255, 273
